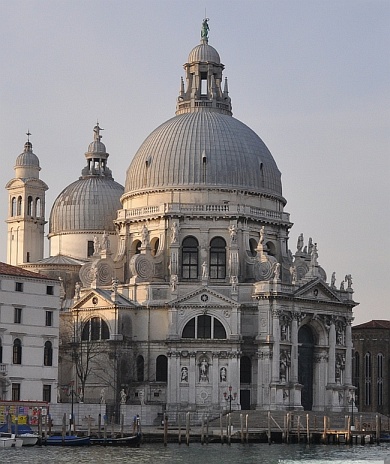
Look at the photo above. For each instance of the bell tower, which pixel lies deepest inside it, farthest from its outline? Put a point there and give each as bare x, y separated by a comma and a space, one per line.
26, 209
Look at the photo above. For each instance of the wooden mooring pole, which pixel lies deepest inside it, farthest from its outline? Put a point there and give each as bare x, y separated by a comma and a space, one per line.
165, 430
299, 428
188, 428
100, 426
202, 432
269, 428
179, 431
221, 427
288, 428
377, 429
246, 428
242, 428
307, 428
325, 433
229, 428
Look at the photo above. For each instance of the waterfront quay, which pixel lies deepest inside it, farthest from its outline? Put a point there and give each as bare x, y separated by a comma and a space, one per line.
244, 427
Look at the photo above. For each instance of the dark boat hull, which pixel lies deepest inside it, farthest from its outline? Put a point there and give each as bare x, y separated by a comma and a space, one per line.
71, 440
133, 441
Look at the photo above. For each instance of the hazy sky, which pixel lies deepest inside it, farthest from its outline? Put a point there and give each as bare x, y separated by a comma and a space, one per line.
312, 78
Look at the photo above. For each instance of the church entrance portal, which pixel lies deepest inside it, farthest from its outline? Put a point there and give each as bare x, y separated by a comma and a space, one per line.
245, 399
305, 365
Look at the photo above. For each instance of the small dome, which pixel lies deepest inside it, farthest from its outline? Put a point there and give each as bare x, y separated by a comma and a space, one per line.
96, 147
27, 158
204, 53
90, 203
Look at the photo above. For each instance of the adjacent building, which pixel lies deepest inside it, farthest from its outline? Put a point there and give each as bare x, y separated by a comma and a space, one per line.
29, 321
371, 342
181, 289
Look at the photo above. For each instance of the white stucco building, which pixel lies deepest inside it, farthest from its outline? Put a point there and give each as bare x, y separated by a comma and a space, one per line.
29, 321
186, 274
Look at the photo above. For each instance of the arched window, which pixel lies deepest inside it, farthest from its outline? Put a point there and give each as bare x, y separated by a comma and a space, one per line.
367, 372
17, 352
38, 210
204, 326
136, 247
154, 244
161, 368
380, 379
356, 365
217, 258
245, 370
95, 329
29, 206
13, 207
140, 368
48, 354
252, 247
19, 206
189, 258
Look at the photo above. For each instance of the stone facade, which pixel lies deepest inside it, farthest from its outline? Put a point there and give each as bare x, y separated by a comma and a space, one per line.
371, 366
29, 337
195, 301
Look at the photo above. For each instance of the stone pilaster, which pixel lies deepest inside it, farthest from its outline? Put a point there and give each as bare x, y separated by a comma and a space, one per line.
348, 353
332, 353
276, 347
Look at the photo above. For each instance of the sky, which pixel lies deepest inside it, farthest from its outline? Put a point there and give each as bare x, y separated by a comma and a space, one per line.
310, 77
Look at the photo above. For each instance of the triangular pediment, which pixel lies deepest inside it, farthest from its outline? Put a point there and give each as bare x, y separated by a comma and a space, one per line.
204, 296
317, 289
99, 298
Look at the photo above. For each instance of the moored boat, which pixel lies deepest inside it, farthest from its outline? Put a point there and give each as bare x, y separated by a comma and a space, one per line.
10, 441
67, 440
132, 441
29, 439
24, 432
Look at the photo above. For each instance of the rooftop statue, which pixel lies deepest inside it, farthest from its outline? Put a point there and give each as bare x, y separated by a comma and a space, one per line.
205, 30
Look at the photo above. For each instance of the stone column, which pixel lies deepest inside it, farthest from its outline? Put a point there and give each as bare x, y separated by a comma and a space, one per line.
276, 348
332, 353
172, 316
214, 373
260, 380
234, 368
348, 354
173, 379
294, 347
192, 378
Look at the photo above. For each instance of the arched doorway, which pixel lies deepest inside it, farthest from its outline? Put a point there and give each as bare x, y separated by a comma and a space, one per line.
305, 366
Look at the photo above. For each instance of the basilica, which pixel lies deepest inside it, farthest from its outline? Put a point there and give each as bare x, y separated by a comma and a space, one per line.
180, 290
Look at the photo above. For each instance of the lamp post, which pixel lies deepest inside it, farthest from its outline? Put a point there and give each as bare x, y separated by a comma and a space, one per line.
229, 397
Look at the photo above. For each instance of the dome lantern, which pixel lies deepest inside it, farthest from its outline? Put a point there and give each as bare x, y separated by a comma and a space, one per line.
203, 90
96, 157
27, 163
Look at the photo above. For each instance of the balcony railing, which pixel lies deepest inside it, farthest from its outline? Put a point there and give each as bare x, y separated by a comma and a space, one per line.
211, 209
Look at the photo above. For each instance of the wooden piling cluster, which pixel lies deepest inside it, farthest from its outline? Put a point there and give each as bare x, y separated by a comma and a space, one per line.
297, 427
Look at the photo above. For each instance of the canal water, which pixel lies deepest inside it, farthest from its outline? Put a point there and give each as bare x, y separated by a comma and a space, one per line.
206, 454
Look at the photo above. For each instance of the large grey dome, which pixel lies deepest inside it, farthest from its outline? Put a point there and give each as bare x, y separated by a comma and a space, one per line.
204, 149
